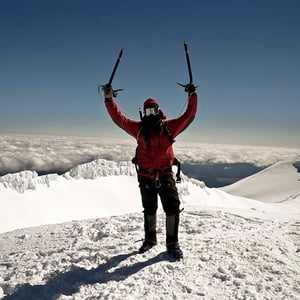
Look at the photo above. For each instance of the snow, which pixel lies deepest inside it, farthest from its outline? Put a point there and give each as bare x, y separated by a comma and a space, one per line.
74, 236
32, 200
278, 183
226, 257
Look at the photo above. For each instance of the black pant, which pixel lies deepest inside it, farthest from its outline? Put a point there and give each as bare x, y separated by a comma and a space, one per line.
167, 192
166, 189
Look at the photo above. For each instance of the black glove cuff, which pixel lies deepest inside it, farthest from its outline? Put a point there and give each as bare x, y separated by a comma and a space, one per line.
190, 88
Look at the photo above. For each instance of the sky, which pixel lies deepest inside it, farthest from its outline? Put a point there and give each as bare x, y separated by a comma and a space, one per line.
244, 56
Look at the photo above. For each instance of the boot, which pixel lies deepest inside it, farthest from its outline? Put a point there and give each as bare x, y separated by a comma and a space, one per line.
150, 233
172, 224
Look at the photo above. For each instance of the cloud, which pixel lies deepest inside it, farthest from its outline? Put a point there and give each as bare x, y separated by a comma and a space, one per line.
51, 154
217, 153
56, 154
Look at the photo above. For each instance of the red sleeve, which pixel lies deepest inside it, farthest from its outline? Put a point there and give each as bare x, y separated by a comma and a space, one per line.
179, 124
130, 126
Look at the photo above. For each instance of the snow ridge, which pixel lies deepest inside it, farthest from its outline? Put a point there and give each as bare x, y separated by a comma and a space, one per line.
276, 183
101, 168
26, 180
30, 180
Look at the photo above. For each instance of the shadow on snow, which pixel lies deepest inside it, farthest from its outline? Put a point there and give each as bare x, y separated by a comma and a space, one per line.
69, 283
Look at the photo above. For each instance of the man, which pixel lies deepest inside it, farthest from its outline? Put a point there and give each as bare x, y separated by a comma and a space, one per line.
154, 159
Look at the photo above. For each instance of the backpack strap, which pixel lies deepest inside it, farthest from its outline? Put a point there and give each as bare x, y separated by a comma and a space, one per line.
167, 131
134, 159
177, 163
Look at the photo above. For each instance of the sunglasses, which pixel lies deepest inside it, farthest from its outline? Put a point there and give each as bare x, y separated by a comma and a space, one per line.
151, 111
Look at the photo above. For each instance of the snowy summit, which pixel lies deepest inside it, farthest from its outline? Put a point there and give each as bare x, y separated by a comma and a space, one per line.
72, 237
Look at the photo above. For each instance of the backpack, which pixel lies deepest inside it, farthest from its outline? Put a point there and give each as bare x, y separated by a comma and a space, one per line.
176, 162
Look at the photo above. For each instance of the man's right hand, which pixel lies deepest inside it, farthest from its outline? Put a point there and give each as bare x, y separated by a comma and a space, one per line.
108, 91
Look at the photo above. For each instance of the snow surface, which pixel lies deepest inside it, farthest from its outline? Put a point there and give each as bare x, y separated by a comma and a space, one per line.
234, 247
278, 183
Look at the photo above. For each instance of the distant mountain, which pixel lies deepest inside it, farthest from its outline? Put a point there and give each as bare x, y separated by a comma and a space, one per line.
275, 184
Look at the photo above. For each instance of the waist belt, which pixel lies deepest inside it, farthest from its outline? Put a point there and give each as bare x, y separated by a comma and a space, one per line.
176, 162
155, 171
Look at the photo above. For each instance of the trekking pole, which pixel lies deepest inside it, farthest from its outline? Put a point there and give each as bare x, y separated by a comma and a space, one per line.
187, 56
107, 86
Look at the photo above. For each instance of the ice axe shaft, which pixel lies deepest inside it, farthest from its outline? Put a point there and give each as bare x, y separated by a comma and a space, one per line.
186, 50
115, 68
187, 56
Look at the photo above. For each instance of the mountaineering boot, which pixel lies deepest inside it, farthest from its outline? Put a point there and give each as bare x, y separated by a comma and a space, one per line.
147, 245
172, 223
150, 233
175, 251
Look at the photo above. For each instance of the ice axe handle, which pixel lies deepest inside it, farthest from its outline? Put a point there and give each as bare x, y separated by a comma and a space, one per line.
115, 68
186, 50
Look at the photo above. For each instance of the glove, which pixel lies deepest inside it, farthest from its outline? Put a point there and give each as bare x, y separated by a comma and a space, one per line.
108, 91
190, 89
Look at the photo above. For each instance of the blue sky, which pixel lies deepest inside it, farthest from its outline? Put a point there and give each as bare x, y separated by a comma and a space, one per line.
244, 55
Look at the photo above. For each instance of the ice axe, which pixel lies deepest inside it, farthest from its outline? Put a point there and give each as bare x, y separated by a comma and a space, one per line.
105, 87
186, 50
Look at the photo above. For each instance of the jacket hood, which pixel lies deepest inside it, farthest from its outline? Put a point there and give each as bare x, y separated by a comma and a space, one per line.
150, 102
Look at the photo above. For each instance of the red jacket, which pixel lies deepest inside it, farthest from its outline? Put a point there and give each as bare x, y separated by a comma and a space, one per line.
158, 155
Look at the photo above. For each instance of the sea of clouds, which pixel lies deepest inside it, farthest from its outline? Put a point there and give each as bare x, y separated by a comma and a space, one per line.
57, 154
